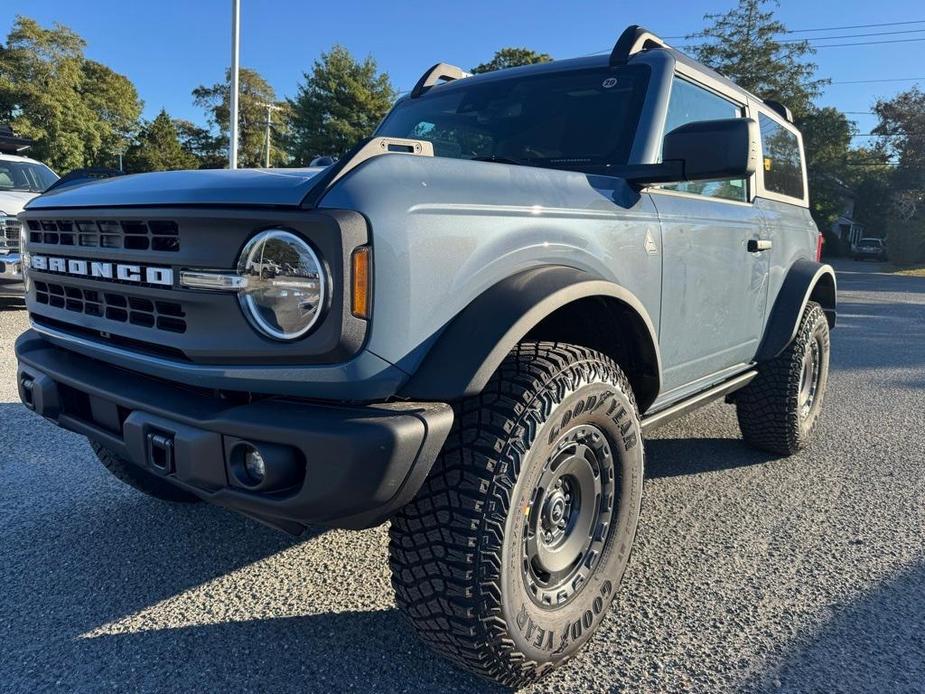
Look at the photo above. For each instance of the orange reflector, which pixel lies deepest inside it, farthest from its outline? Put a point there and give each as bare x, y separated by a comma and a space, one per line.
361, 283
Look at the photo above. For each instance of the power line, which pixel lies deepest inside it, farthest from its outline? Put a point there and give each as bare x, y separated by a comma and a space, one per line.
867, 43
855, 36
820, 45
890, 79
853, 26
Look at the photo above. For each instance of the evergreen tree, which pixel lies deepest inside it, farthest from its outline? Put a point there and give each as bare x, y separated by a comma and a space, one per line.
340, 102
158, 148
745, 45
512, 57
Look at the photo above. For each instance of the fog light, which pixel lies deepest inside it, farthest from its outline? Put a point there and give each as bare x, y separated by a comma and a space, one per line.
254, 466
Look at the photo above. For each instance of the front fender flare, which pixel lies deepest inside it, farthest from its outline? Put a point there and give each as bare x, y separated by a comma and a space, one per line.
805, 281
473, 345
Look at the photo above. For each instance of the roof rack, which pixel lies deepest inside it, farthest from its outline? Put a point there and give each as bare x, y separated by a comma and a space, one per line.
10, 143
779, 109
633, 40
441, 72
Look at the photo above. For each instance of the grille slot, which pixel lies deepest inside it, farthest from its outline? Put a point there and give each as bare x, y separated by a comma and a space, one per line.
121, 308
153, 235
9, 233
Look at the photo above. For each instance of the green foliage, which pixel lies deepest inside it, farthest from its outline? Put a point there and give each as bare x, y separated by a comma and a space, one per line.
902, 123
901, 193
80, 112
254, 94
158, 148
340, 102
743, 45
826, 139
210, 150
512, 57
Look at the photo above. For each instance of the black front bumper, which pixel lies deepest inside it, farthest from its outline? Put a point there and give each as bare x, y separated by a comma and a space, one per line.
340, 465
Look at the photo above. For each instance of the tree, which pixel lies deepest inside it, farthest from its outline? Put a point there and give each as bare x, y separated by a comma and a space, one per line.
743, 45
512, 57
79, 112
340, 102
253, 95
158, 148
210, 150
827, 136
902, 125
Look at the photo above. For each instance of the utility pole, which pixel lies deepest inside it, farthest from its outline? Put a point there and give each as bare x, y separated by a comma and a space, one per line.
270, 108
235, 31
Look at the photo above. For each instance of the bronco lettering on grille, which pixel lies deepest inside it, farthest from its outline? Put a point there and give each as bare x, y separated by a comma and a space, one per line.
103, 270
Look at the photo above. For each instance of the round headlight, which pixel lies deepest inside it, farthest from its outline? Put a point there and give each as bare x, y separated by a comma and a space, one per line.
285, 284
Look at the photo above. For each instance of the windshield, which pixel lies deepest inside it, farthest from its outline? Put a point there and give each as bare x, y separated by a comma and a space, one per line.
582, 120
869, 243
25, 176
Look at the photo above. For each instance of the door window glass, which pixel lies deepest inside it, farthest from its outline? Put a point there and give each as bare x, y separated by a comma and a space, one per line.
690, 103
783, 168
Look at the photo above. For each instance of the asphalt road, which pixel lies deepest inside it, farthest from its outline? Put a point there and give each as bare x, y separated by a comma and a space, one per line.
805, 574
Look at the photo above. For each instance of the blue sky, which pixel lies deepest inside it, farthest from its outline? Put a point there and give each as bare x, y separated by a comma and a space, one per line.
169, 47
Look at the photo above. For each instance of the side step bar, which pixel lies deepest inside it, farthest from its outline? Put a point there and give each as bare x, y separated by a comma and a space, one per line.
704, 397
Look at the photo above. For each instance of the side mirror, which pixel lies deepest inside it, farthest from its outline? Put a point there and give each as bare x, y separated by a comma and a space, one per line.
714, 149
709, 150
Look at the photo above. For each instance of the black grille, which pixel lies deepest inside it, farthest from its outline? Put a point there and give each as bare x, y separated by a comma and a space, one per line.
148, 313
153, 235
9, 233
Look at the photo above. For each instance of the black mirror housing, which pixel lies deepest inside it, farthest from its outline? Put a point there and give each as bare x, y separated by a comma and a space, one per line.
709, 150
715, 149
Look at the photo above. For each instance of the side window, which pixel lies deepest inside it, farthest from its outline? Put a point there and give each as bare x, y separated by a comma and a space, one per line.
783, 168
690, 103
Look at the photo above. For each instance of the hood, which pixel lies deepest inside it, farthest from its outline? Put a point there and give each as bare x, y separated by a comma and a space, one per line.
12, 202
203, 187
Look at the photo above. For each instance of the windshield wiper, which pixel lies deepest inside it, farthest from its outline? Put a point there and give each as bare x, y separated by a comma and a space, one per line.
499, 160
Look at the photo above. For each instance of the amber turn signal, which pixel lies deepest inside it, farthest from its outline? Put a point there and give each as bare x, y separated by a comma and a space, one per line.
361, 282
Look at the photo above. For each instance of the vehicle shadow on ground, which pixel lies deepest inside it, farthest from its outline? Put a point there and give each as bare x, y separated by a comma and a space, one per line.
667, 457
847, 653
105, 553
369, 651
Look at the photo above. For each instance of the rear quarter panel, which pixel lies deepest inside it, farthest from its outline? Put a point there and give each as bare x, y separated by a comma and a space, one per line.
793, 232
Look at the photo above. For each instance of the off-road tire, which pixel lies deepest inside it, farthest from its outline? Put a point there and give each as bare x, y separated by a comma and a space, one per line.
457, 551
769, 410
140, 479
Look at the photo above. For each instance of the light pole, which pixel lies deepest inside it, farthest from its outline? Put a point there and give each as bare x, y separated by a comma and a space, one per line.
270, 108
233, 116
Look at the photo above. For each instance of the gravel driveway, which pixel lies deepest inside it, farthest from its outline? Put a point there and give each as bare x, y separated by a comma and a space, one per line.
805, 574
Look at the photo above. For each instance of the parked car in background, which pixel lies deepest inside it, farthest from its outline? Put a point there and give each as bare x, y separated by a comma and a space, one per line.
21, 179
869, 249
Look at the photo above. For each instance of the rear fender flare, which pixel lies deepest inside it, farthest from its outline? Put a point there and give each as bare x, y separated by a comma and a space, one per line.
805, 281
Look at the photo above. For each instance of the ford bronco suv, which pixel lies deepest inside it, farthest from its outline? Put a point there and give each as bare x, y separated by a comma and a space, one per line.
466, 326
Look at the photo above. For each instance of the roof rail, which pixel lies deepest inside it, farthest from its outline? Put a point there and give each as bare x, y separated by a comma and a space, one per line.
441, 72
779, 109
10, 143
633, 40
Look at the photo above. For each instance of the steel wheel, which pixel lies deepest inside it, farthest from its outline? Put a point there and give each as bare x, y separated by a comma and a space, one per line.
569, 518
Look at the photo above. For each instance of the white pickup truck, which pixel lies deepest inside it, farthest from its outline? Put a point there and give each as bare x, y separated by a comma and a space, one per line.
21, 179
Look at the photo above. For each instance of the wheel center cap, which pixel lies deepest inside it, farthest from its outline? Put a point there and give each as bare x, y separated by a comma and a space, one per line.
555, 512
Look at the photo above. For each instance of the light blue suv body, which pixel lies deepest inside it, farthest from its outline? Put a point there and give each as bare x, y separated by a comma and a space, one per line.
690, 284
466, 325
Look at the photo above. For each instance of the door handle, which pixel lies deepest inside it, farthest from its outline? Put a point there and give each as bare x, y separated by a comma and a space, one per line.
758, 245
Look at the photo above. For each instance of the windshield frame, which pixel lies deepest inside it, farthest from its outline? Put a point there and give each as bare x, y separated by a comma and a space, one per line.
641, 73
